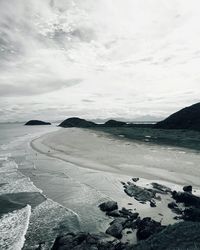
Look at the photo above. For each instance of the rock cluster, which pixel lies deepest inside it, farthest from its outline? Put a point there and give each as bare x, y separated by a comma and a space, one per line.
86, 241
144, 195
151, 234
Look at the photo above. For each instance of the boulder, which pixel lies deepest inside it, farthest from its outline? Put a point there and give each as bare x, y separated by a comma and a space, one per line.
139, 193
191, 214
108, 206
187, 189
135, 179
114, 213
182, 235
115, 230
147, 227
152, 203
187, 198
119, 220
174, 207
160, 188
128, 214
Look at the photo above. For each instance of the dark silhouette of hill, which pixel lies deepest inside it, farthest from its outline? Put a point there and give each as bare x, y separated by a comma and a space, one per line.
82, 123
186, 118
36, 122
77, 122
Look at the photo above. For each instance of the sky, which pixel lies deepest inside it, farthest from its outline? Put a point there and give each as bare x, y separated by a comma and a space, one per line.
125, 59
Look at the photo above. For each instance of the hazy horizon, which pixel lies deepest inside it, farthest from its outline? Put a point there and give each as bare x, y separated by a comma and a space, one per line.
132, 59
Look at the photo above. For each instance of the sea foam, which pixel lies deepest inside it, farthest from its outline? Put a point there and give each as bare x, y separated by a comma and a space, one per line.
13, 227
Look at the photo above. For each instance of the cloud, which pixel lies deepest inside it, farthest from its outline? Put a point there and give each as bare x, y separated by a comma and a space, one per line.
38, 87
104, 58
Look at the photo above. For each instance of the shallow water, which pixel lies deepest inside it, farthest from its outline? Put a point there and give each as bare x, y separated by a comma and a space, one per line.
24, 210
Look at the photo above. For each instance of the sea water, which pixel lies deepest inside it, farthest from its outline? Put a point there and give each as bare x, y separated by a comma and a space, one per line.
27, 216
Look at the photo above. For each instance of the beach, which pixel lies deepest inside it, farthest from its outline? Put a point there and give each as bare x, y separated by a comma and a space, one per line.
96, 150
92, 166
61, 176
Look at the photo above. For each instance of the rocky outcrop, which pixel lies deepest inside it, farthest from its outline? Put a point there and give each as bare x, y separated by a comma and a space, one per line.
36, 122
86, 241
187, 199
108, 206
150, 234
147, 227
187, 118
187, 189
144, 195
115, 230
183, 236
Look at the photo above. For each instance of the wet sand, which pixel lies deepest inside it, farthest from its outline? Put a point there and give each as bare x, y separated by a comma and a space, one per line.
98, 151
80, 168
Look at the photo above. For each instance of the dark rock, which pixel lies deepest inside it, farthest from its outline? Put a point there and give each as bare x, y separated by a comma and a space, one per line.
182, 235
187, 189
191, 214
36, 122
129, 232
119, 220
85, 241
187, 198
108, 206
115, 230
187, 118
174, 207
147, 227
114, 213
135, 179
139, 193
152, 203
77, 122
41, 245
160, 188
128, 214
125, 212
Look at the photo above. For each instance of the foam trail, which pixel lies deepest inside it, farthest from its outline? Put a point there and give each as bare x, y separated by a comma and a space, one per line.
13, 227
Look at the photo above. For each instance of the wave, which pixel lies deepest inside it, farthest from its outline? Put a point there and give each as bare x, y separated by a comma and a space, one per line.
47, 220
14, 181
13, 227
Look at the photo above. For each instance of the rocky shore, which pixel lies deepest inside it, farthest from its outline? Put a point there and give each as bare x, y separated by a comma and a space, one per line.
150, 234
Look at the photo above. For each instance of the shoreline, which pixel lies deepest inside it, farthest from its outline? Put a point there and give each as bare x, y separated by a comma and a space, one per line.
48, 145
110, 178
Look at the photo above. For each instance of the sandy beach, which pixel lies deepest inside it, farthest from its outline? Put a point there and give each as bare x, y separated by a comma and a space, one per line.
88, 167
98, 151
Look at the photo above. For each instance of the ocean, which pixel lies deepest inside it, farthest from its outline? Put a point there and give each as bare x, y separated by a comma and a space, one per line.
24, 209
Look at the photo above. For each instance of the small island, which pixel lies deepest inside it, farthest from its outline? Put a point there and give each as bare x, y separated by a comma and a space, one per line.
36, 123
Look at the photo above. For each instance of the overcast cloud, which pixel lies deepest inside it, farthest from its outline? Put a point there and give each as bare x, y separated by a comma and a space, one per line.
98, 59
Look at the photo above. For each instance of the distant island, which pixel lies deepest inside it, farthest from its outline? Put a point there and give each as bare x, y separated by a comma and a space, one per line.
186, 118
77, 122
36, 122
